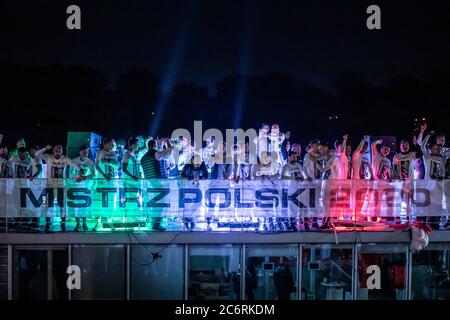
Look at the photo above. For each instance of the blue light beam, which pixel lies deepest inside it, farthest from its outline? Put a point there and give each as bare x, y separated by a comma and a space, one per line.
171, 71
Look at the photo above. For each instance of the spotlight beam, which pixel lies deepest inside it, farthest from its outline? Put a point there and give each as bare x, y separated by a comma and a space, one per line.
171, 71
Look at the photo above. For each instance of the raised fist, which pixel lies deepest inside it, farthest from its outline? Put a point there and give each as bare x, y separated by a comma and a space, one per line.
423, 127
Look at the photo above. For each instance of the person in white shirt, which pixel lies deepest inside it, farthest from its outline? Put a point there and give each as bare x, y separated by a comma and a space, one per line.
107, 166
330, 168
344, 155
312, 171
381, 165
37, 167
5, 166
419, 172
445, 151
178, 158
276, 139
298, 149
19, 144
403, 163
329, 163
130, 167
121, 150
86, 164
142, 150
21, 164
36, 171
87, 173
267, 167
184, 153
106, 161
208, 153
262, 140
293, 169
362, 169
311, 166
433, 160
142, 146
434, 169
240, 168
345, 164
56, 164
382, 168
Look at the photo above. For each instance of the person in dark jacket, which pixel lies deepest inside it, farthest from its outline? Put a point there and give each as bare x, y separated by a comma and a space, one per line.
152, 164
284, 280
251, 282
195, 170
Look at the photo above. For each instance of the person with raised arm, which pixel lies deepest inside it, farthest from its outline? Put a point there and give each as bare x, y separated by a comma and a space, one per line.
21, 164
344, 153
433, 159
381, 165
37, 166
276, 138
329, 163
56, 164
434, 169
362, 170
262, 141
153, 168
403, 163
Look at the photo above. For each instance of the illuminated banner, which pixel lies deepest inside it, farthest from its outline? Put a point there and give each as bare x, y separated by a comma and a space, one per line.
175, 198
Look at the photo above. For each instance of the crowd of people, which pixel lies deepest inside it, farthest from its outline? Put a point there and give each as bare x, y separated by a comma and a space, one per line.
276, 157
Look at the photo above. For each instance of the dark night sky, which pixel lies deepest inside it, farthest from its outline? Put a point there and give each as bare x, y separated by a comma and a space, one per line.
312, 39
203, 42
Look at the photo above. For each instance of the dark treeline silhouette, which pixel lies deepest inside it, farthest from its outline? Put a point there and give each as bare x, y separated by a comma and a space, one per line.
42, 103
